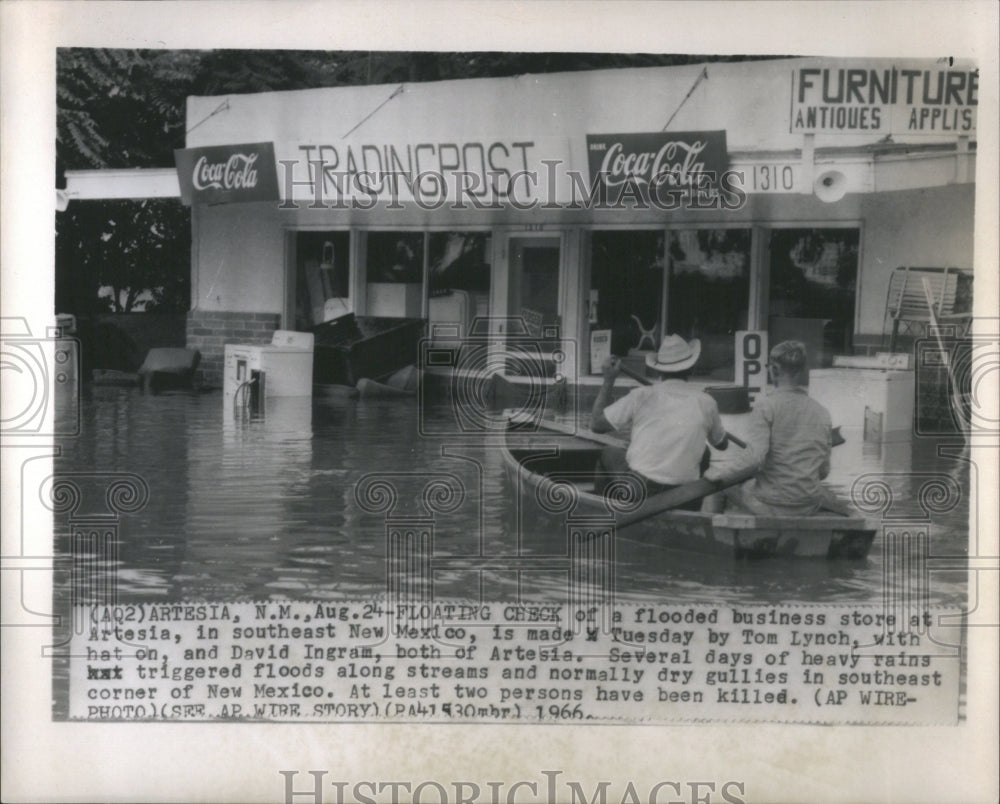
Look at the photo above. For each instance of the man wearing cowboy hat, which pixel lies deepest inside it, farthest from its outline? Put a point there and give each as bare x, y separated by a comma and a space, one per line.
670, 422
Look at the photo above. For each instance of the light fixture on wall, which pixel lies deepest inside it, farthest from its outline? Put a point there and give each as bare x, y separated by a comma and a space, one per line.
830, 186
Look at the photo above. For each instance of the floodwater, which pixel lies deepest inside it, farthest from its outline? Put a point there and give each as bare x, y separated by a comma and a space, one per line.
269, 509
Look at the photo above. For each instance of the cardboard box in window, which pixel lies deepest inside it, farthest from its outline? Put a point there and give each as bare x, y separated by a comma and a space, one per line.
600, 348
395, 299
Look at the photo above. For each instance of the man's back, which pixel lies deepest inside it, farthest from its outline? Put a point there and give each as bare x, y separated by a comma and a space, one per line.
670, 423
795, 432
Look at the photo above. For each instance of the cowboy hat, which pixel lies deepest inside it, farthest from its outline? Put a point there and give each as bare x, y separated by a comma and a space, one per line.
674, 354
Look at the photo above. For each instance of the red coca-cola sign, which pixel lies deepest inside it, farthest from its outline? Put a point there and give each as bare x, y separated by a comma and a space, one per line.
660, 162
226, 174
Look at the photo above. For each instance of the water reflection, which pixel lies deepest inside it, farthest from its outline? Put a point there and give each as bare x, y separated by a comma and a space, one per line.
266, 509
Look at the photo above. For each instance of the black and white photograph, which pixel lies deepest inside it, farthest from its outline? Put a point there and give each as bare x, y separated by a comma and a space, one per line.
511, 415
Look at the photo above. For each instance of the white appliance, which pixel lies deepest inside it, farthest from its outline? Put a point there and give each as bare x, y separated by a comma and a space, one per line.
281, 368
877, 402
452, 311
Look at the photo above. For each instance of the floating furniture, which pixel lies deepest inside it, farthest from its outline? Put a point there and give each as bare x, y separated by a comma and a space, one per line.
646, 335
351, 348
906, 304
169, 367
402, 383
406, 379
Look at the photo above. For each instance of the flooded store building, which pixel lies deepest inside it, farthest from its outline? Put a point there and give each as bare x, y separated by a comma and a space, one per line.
775, 196
593, 212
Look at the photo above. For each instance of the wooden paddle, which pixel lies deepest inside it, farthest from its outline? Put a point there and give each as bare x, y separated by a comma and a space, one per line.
642, 379
696, 489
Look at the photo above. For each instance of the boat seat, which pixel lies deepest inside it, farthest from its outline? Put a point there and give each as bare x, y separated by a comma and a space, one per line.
740, 521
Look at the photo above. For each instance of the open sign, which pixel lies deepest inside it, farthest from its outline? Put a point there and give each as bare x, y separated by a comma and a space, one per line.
751, 361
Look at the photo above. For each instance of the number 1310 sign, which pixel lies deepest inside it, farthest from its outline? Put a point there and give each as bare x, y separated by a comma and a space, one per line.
751, 357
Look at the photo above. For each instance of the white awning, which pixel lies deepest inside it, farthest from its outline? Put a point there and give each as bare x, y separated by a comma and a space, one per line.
91, 185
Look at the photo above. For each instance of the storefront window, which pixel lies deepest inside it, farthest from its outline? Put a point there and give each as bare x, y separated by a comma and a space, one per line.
709, 293
812, 289
322, 277
626, 290
459, 282
394, 272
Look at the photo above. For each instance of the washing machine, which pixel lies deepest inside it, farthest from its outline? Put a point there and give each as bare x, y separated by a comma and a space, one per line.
283, 367
879, 403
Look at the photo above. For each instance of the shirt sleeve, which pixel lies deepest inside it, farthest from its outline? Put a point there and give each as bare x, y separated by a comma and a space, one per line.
619, 414
758, 441
716, 431
759, 432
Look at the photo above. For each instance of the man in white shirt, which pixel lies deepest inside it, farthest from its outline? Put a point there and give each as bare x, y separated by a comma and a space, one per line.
670, 422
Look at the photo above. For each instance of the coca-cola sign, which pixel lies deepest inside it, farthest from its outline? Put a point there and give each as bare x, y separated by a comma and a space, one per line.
225, 174
660, 163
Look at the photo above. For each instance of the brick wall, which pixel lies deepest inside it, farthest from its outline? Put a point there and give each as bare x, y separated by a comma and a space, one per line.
209, 331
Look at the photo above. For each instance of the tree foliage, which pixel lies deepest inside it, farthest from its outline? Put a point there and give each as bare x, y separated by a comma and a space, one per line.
125, 108
137, 249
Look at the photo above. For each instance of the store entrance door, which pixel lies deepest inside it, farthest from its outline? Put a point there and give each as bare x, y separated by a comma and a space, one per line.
533, 289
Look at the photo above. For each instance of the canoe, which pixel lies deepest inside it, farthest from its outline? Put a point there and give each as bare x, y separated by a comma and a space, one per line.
535, 467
